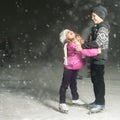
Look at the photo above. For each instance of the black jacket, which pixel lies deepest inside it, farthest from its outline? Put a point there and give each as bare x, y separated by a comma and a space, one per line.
99, 37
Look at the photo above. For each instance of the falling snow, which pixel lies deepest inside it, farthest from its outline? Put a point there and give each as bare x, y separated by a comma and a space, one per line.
31, 59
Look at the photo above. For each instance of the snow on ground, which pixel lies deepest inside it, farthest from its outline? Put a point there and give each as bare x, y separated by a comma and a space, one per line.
40, 100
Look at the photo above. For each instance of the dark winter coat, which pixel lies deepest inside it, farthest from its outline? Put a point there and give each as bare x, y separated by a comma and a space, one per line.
99, 37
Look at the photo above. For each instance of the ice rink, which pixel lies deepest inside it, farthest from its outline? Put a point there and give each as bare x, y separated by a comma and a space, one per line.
31, 93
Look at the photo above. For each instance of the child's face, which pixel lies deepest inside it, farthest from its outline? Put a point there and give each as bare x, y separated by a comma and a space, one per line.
96, 18
70, 35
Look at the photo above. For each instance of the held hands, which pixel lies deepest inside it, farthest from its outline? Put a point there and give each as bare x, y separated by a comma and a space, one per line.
82, 41
99, 51
78, 48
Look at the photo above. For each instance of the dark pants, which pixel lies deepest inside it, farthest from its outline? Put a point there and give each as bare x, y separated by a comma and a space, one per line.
97, 78
69, 79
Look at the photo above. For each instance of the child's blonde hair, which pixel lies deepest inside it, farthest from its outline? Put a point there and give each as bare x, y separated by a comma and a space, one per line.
79, 38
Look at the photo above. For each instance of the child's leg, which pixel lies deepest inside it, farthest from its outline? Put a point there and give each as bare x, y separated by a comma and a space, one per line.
73, 85
64, 85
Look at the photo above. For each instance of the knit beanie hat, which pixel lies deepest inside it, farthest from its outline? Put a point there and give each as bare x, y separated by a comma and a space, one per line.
100, 11
63, 36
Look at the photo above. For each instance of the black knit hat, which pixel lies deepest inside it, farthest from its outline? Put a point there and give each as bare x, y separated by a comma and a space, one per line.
100, 11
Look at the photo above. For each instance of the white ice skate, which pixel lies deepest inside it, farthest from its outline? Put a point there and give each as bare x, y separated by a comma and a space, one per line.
63, 108
78, 102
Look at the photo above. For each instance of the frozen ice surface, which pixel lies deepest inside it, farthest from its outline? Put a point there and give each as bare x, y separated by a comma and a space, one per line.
40, 100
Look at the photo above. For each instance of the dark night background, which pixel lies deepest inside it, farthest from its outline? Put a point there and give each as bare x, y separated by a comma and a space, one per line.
31, 27
29, 35
31, 58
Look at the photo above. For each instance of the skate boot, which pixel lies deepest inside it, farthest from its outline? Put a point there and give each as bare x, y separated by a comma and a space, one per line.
63, 108
97, 108
91, 105
78, 102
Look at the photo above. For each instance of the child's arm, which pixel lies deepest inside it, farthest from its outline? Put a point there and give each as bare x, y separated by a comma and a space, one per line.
91, 52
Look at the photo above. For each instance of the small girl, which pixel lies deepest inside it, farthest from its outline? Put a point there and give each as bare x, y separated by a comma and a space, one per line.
73, 61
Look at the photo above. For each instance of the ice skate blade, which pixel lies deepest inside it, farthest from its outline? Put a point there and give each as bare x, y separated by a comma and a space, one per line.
63, 111
93, 112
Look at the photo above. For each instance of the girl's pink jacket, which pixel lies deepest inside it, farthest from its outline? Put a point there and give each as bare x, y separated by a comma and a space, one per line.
75, 59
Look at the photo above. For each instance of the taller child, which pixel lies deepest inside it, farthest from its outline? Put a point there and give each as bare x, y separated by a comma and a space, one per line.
99, 37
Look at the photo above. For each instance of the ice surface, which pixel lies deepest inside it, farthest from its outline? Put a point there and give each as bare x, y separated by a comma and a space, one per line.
38, 100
